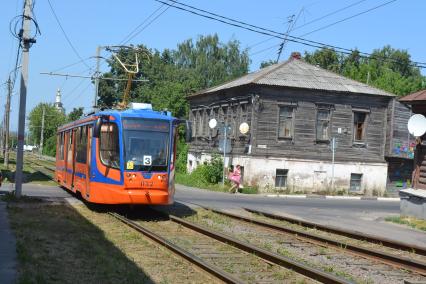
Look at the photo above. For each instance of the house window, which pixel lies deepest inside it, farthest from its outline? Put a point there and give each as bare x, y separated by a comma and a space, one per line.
200, 121
194, 120
355, 182
285, 123
323, 125
281, 178
359, 127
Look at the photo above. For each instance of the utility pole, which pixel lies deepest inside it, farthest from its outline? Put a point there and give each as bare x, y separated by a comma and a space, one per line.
98, 59
42, 131
6, 124
26, 42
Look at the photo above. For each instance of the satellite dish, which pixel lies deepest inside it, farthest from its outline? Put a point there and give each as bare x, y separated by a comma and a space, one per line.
417, 125
212, 123
244, 128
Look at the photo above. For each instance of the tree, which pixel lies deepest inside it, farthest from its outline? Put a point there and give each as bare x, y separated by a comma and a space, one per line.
386, 68
52, 120
264, 64
173, 74
75, 114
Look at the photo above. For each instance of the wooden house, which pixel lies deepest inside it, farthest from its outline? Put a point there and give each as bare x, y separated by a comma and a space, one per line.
294, 110
417, 101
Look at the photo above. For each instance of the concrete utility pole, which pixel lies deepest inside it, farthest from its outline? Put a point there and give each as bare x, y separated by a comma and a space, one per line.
98, 59
42, 131
6, 123
26, 43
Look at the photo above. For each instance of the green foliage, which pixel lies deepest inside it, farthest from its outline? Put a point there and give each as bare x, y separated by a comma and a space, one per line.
264, 64
49, 148
52, 120
212, 171
181, 156
205, 175
173, 74
387, 68
75, 114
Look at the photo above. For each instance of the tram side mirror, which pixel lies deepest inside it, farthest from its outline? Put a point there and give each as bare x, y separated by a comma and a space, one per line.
97, 129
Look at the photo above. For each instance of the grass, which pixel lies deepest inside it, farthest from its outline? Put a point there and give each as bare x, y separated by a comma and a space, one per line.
409, 221
66, 244
30, 175
188, 180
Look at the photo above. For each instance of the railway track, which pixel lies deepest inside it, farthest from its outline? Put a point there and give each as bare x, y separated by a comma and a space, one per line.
396, 261
346, 233
225, 257
355, 262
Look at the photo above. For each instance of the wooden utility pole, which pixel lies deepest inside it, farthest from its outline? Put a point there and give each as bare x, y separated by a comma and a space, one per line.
6, 124
26, 42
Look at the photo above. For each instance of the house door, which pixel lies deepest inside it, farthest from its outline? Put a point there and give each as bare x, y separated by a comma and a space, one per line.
420, 170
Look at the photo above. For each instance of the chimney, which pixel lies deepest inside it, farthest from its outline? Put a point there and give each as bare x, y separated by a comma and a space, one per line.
295, 55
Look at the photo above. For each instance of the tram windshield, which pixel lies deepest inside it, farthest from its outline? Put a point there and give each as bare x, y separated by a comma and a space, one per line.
145, 144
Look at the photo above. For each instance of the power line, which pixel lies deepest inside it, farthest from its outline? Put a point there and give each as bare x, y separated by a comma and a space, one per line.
73, 64
350, 17
312, 21
147, 25
65, 34
269, 32
128, 37
329, 14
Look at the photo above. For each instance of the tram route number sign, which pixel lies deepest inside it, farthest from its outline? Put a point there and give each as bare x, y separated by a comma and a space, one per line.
147, 160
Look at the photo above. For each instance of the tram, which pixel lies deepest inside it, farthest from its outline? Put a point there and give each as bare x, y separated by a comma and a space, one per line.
120, 156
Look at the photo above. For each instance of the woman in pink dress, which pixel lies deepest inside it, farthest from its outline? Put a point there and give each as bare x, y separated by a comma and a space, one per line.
235, 178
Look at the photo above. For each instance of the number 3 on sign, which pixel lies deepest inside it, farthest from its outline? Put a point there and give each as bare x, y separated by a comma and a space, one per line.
147, 160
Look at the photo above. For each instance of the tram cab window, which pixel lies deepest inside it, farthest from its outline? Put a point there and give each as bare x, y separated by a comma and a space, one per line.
146, 144
109, 145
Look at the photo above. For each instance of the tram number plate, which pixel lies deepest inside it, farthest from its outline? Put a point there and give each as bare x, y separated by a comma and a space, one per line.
147, 184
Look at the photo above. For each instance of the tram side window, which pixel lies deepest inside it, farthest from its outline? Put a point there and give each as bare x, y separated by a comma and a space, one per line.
61, 146
109, 146
69, 146
81, 144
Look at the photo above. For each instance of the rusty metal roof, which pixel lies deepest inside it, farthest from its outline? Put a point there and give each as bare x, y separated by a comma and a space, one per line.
297, 73
414, 97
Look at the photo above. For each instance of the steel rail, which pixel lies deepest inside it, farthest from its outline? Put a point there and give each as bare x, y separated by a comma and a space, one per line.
347, 233
301, 268
213, 270
393, 260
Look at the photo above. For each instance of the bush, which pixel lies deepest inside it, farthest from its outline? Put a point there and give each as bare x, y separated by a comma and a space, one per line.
181, 155
213, 170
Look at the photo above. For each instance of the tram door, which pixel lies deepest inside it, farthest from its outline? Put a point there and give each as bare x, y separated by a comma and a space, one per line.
89, 160
69, 164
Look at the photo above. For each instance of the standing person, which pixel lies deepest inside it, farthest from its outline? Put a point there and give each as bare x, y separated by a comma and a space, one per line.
235, 178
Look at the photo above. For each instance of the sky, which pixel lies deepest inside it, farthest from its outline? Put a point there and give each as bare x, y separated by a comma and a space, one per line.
88, 24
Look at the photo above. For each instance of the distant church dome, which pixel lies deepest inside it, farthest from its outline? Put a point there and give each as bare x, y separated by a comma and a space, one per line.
58, 103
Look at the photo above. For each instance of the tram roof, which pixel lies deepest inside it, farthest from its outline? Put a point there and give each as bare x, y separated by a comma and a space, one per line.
142, 113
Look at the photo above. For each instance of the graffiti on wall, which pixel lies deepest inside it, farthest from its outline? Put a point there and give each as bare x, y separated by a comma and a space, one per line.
404, 149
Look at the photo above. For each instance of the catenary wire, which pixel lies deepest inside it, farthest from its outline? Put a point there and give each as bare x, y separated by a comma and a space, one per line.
269, 32
350, 17
65, 34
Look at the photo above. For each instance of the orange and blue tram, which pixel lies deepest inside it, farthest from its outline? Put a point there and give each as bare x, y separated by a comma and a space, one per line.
119, 157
